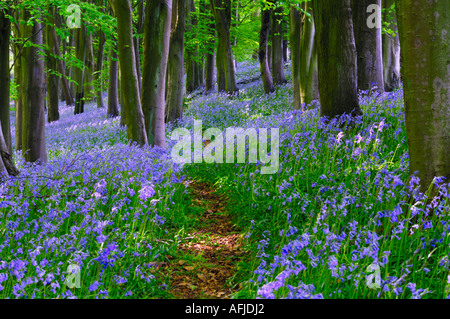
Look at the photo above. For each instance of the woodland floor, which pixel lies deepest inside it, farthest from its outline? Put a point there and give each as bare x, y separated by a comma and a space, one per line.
211, 252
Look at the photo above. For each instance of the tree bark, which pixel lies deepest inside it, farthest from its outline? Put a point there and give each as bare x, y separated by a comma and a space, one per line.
336, 58
226, 73
262, 54
5, 33
425, 48
52, 78
175, 68
60, 65
295, 19
79, 72
308, 57
158, 17
391, 51
33, 80
113, 99
368, 46
99, 68
17, 31
277, 47
129, 83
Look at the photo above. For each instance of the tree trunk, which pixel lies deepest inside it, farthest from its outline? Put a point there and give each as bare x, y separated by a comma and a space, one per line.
60, 65
295, 38
129, 83
7, 166
263, 62
210, 55
5, 32
79, 77
18, 80
99, 68
336, 58
175, 68
52, 78
89, 69
368, 46
425, 48
277, 47
226, 72
308, 56
391, 51
113, 99
158, 17
33, 80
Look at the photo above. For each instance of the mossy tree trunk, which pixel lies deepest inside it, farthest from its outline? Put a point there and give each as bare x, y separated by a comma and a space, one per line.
33, 93
226, 72
158, 18
129, 83
425, 69
336, 58
175, 68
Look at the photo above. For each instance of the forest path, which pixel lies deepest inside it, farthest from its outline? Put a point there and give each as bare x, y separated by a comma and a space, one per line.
211, 253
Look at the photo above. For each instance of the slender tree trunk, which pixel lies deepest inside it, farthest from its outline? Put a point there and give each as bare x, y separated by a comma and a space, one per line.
368, 46
18, 80
137, 42
33, 80
52, 79
113, 99
129, 83
175, 68
158, 17
60, 66
336, 58
277, 47
295, 29
308, 56
425, 48
89, 69
5, 33
79, 77
263, 62
210, 55
99, 68
391, 51
221, 10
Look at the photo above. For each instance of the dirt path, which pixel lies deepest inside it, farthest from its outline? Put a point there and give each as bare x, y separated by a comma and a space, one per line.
212, 251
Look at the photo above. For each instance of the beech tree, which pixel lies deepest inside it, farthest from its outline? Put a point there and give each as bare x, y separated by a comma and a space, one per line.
5, 32
262, 54
175, 69
277, 46
391, 48
131, 106
367, 29
158, 17
336, 58
226, 73
33, 91
425, 48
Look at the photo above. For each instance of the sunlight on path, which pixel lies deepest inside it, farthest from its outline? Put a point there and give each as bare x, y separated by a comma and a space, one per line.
214, 250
